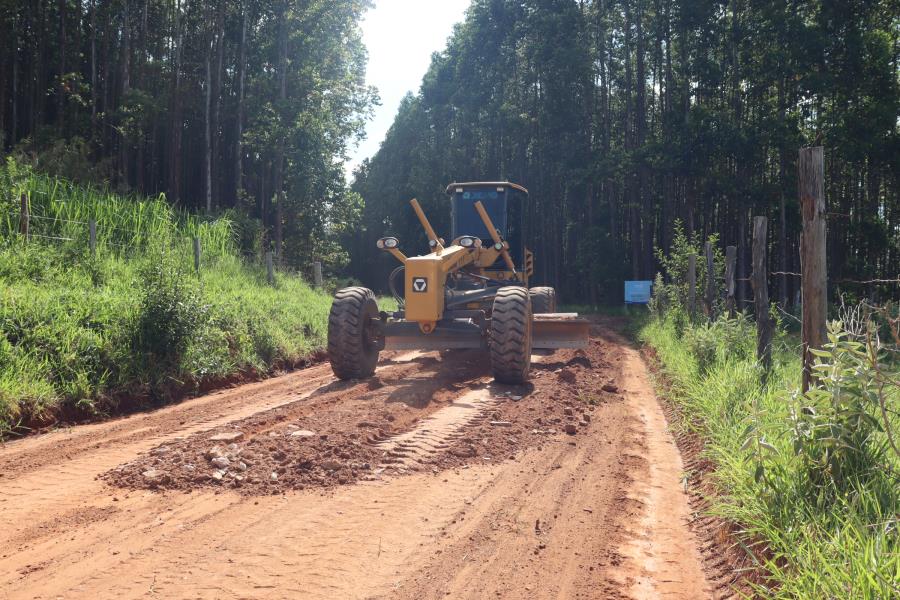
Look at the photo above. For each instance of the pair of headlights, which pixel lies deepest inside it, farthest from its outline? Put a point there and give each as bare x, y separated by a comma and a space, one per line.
387, 243
466, 241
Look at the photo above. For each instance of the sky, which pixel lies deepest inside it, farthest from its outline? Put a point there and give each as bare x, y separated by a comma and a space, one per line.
401, 35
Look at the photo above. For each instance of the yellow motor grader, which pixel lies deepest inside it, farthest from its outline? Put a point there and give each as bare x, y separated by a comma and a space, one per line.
472, 293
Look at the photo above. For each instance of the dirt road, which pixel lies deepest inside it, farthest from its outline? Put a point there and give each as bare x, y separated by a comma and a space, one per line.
427, 481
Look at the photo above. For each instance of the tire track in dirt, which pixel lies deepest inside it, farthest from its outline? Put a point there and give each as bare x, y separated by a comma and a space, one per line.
435, 434
663, 549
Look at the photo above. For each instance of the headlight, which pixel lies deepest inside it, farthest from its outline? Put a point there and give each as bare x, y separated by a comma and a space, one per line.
498, 246
467, 241
432, 243
387, 243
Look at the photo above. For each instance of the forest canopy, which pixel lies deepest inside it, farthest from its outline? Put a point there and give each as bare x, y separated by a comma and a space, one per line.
625, 117
223, 104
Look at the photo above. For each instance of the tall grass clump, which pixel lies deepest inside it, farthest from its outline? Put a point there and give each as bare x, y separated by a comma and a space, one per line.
61, 210
811, 479
82, 332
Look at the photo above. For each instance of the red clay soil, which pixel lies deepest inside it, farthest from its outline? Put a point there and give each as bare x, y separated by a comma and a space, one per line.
724, 548
309, 443
426, 481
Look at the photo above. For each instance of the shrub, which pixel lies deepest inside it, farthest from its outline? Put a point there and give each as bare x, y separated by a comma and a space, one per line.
675, 269
832, 424
171, 311
723, 339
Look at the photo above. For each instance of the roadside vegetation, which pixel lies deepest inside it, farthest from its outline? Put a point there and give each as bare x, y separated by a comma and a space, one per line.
81, 333
812, 480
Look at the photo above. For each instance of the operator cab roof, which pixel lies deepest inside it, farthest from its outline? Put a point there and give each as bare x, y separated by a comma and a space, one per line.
451, 189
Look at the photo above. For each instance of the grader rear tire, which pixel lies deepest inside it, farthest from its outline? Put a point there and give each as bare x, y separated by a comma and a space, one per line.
510, 338
543, 300
352, 347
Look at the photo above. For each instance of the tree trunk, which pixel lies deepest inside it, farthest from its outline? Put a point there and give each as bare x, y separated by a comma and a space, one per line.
631, 178
217, 103
125, 84
782, 175
643, 197
14, 126
279, 159
710, 282
207, 136
239, 117
176, 124
60, 83
93, 66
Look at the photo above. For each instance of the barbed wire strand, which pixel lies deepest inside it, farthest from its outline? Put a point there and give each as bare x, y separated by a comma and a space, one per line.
18, 214
50, 237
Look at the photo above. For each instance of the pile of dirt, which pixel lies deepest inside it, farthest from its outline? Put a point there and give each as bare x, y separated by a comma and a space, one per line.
337, 435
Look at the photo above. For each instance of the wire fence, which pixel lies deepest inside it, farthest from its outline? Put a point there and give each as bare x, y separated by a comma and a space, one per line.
98, 237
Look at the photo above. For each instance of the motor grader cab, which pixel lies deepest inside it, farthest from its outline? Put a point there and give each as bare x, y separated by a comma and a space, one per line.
471, 293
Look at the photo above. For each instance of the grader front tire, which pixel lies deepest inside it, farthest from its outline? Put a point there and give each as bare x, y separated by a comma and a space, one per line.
543, 300
352, 348
510, 338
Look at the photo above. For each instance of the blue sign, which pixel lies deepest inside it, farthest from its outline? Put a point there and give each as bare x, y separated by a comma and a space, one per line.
637, 292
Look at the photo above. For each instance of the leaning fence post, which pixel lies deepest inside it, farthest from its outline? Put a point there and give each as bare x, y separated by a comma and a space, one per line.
24, 217
692, 284
814, 277
317, 274
759, 281
270, 268
710, 282
92, 235
197, 255
730, 260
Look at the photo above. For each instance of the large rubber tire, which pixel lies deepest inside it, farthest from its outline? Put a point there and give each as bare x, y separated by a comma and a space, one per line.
352, 347
510, 339
543, 300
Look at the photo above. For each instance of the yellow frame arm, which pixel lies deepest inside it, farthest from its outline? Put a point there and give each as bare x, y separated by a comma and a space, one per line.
495, 236
397, 254
438, 247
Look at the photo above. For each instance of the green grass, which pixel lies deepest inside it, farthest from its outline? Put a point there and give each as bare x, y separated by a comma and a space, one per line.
80, 332
815, 543
61, 209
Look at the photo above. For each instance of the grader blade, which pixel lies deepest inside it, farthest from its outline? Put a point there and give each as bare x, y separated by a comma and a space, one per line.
406, 335
559, 330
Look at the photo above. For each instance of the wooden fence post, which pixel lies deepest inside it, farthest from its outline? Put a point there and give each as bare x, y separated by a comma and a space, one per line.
197, 255
92, 235
730, 260
710, 282
270, 268
317, 274
692, 284
814, 277
24, 217
759, 281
